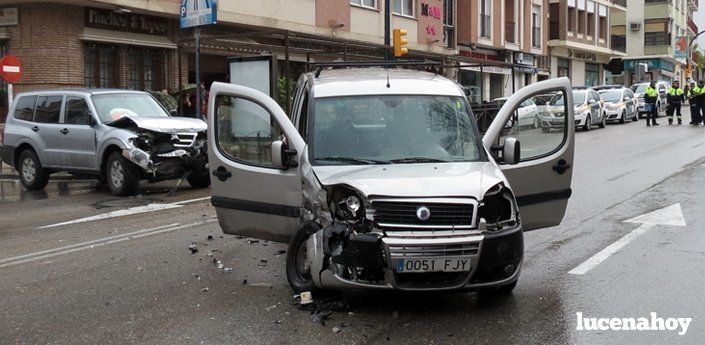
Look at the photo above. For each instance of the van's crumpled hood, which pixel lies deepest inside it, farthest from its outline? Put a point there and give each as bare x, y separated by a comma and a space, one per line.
161, 124
466, 179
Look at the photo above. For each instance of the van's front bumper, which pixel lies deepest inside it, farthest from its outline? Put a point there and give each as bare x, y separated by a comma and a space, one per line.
496, 262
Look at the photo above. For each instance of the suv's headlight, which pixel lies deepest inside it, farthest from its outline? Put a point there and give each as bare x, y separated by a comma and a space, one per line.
498, 210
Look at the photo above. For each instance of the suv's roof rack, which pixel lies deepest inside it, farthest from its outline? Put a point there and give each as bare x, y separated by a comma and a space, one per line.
319, 66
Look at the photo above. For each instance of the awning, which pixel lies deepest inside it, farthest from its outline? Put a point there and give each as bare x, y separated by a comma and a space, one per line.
489, 69
119, 37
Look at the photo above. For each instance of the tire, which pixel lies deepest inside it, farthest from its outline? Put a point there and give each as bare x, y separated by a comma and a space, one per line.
545, 129
658, 108
603, 123
199, 179
588, 123
121, 175
537, 122
297, 273
32, 175
636, 116
624, 117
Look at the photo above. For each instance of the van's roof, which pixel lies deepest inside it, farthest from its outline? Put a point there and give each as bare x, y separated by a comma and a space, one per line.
82, 91
373, 81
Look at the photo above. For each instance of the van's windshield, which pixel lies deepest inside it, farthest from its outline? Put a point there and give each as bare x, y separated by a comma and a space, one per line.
113, 106
393, 129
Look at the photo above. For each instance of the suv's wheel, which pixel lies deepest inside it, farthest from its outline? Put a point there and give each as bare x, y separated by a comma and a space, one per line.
624, 117
537, 122
298, 267
121, 175
32, 175
636, 116
199, 179
603, 122
588, 123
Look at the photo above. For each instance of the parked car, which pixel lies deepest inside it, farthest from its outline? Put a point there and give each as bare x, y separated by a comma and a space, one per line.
380, 179
552, 112
619, 104
588, 108
662, 88
119, 136
527, 114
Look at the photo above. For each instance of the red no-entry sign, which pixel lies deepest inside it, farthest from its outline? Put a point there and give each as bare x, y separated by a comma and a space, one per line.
10, 68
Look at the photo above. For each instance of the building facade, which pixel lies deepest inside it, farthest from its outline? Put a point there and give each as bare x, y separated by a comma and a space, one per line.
579, 39
651, 30
137, 44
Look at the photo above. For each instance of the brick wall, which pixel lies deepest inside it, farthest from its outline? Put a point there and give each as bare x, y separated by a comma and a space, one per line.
47, 43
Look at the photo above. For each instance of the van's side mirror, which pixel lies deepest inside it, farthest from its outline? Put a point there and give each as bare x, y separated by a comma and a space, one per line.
511, 152
281, 155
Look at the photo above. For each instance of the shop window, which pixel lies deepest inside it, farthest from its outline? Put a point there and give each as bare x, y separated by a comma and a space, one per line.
563, 68
100, 63
404, 7
592, 74
144, 70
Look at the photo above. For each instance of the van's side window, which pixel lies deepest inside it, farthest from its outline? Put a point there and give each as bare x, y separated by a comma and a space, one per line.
245, 130
303, 117
76, 112
48, 109
25, 108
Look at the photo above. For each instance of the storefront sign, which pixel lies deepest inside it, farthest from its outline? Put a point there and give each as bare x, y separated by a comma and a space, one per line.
430, 21
523, 58
489, 69
479, 56
8, 16
526, 69
198, 12
106, 19
630, 65
579, 54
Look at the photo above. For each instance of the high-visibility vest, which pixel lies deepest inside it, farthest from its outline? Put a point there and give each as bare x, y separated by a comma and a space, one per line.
651, 92
675, 92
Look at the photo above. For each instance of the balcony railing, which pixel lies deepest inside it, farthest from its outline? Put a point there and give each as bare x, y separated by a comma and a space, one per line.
693, 27
622, 3
693, 4
653, 2
509, 32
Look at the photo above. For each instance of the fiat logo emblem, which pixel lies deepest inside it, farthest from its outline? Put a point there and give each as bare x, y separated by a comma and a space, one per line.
423, 213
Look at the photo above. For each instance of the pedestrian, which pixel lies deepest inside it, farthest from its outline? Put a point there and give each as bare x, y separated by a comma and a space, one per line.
700, 99
650, 96
674, 98
693, 101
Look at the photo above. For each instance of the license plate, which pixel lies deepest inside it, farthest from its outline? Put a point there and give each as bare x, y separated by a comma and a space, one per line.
414, 265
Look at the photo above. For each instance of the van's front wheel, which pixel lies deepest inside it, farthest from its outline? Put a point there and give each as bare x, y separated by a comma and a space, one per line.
298, 264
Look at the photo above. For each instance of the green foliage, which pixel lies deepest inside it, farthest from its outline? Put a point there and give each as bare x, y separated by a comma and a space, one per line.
281, 92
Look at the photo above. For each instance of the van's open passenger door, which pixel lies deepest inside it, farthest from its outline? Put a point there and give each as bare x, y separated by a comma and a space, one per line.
253, 153
541, 179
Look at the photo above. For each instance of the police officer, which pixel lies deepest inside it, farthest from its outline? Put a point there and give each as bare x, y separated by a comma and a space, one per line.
700, 99
650, 96
694, 108
674, 98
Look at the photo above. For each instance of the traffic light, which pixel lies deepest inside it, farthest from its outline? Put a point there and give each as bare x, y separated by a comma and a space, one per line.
400, 43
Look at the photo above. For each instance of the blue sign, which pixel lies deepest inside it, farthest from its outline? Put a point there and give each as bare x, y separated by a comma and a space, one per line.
631, 65
198, 12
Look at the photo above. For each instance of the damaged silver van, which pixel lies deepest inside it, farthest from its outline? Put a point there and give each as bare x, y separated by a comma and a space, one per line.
380, 179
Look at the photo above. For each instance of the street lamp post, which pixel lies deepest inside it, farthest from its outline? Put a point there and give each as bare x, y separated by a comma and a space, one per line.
690, 46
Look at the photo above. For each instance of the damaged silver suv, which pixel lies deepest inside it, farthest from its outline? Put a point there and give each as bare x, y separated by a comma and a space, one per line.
119, 136
380, 179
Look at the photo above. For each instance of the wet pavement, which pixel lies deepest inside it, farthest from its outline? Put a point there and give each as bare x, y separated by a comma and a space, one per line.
133, 279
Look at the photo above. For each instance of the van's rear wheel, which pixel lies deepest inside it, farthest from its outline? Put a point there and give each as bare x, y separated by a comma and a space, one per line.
32, 175
298, 264
122, 175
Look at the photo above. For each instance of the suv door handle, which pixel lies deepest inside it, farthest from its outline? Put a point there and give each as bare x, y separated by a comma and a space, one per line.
222, 174
561, 166
35, 128
64, 131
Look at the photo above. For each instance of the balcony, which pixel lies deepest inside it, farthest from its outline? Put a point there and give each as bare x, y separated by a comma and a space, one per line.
691, 25
622, 3
693, 5
509, 32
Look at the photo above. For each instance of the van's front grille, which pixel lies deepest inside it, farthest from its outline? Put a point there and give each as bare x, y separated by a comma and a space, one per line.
184, 139
402, 214
447, 250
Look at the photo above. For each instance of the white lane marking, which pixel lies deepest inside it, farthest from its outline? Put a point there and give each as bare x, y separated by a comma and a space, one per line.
119, 213
128, 212
671, 215
97, 243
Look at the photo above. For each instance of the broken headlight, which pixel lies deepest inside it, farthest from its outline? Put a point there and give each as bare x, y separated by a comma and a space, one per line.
498, 210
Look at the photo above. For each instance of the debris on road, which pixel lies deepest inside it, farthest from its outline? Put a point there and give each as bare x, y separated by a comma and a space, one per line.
210, 237
270, 308
280, 252
193, 248
252, 241
205, 289
336, 329
306, 297
262, 285
227, 269
320, 317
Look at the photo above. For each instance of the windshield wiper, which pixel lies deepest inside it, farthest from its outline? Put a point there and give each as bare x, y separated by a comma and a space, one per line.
351, 160
418, 160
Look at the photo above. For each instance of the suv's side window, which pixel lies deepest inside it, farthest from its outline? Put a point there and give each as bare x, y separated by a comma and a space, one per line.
245, 131
48, 109
24, 110
76, 111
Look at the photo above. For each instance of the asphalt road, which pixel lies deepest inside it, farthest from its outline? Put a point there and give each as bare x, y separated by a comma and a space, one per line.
129, 277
